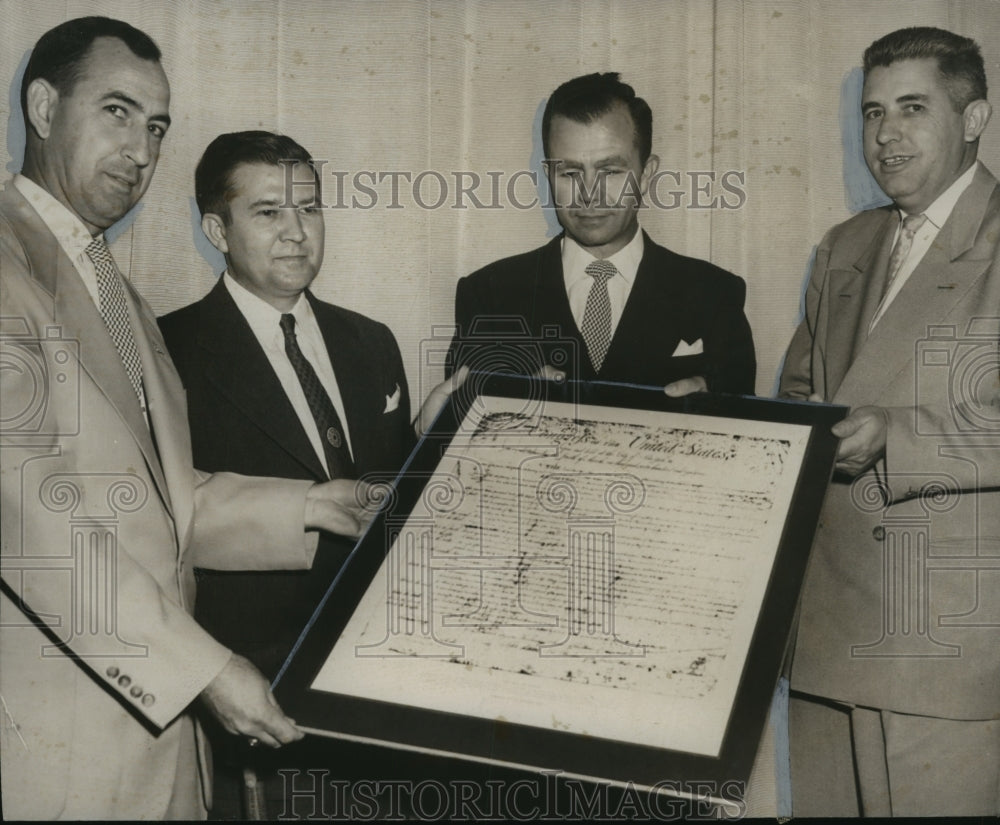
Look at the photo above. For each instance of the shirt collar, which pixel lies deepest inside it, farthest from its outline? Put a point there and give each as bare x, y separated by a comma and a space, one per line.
262, 317
68, 229
939, 211
626, 260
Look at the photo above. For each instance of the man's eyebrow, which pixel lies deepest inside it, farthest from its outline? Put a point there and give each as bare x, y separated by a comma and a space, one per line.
266, 202
613, 160
912, 97
130, 101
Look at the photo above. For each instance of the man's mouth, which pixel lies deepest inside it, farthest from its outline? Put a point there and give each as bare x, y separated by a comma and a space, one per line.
124, 181
894, 161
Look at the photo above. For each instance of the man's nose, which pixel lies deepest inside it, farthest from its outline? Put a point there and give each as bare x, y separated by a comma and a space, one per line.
139, 148
888, 129
291, 225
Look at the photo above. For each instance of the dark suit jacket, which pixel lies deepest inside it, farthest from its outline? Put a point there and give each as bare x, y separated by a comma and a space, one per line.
241, 420
514, 315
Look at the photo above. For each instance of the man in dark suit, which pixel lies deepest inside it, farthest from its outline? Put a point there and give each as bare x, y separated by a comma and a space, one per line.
602, 301
896, 669
255, 407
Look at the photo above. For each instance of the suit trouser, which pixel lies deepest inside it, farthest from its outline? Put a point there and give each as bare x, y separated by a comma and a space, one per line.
847, 761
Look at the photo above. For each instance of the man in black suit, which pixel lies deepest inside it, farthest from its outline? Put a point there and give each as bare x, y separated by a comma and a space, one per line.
254, 407
636, 312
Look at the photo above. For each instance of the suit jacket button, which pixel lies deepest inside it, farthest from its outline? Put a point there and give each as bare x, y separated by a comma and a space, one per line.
112, 672
124, 680
148, 699
879, 533
136, 691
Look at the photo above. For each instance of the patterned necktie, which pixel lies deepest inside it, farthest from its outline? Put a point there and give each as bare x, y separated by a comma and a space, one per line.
596, 327
114, 311
331, 431
904, 243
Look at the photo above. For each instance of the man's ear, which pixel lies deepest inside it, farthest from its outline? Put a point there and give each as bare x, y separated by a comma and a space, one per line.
215, 230
648, 170
42, 99
976, 116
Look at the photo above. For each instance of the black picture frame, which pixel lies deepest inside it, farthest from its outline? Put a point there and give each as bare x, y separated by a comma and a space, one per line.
532, 748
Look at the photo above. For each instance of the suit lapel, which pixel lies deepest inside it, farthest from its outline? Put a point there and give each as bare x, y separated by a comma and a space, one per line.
657, 284
73, 309
362, 399
165, 402
941, 281
238, 367
854, 295
550, 305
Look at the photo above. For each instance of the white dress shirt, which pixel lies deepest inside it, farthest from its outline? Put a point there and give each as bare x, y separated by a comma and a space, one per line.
73, 238
578, 283
937, 214
264, 321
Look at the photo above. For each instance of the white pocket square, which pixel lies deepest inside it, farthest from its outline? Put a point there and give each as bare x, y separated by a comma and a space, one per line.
684, 348
391, 401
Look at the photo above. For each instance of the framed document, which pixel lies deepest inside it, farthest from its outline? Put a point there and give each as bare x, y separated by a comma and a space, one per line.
589, 579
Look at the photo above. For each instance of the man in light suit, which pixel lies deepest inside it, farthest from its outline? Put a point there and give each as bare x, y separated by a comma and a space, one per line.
602, 301
896, 665
249, 412
104, 517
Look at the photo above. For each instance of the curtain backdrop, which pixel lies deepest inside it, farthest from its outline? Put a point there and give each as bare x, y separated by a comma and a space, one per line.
754, 107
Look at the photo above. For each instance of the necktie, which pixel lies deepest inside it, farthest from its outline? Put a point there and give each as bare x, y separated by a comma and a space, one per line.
331, 431
596, 327
114, 311
904, 243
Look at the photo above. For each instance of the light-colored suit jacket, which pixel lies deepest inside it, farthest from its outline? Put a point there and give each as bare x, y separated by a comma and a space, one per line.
103, 521
901, 604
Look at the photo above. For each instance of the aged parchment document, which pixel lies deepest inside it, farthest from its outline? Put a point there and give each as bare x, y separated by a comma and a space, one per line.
589, 569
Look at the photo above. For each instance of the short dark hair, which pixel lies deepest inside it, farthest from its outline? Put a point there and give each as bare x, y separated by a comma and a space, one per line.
59, 53
958, 59
586, 98
213, 178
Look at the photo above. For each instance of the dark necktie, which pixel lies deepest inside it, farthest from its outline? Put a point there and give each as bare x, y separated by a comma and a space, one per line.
596, 326
114, 311
331, 431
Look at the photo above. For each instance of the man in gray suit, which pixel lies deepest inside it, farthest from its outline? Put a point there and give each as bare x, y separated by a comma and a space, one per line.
896, 668
103, 515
